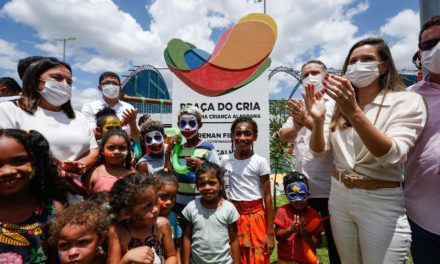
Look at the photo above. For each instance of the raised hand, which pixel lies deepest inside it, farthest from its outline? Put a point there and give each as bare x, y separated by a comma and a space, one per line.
129, 116
314, 103
340, 89
298, 111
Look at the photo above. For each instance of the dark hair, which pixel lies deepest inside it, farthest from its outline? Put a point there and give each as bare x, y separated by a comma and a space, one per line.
212, 168
24, 63
294, 176
106, 137
166, 177
11, 84
86, 213
31, 80
44, 184
324, 68
152, 125
244, 119
143, 119
108, 74
124, 194
103, 114
389, 80
431, 21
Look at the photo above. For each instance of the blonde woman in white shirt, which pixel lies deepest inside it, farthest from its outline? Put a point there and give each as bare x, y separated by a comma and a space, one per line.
374, 123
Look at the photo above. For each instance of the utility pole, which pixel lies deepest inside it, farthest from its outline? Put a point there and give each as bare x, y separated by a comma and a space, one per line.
64, 40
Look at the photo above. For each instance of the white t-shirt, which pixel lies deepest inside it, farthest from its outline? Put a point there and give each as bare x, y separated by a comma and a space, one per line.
318, 170
89, 110
68, 138
242, 177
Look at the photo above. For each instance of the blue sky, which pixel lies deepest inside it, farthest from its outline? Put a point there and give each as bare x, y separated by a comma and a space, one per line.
116, 35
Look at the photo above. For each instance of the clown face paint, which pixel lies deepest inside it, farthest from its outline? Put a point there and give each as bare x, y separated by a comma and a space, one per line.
111, 123
297, 191
188, 126
154, 141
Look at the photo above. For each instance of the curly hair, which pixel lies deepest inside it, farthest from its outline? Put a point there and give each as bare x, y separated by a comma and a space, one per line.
106, 137
30, 96
44, 185
102, 115
152, 125
86, 213
125, 193
244, 119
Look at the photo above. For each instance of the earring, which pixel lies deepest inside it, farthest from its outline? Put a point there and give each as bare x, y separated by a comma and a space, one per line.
100, 251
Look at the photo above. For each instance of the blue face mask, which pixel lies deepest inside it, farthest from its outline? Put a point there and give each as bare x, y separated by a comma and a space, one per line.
297, 191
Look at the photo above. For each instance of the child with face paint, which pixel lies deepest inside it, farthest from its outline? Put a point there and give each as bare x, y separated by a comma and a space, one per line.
136, 237
106, 119
28, 180
249, 190
291, 222
167, 200
78, 232
210, 234
114, 162
153, 136
194, 152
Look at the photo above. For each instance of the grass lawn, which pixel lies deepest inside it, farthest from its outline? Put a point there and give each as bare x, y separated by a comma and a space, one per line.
322, 252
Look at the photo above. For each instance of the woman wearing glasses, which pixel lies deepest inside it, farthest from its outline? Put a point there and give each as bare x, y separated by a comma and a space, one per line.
374, 123
45, 106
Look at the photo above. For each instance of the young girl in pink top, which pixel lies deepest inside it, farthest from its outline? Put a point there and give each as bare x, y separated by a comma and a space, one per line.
114, 159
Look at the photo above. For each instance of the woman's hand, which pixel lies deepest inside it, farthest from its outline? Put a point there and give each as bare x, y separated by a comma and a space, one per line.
314, 103
340, 89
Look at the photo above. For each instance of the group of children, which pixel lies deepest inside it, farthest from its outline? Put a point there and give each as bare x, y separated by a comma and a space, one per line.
170, 206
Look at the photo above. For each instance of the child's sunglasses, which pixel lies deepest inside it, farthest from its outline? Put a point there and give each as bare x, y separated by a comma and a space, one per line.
429, 44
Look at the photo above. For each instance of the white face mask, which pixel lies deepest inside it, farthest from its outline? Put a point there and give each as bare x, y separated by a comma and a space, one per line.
362, 74
431, 59
56, 93
313, 79
110, 91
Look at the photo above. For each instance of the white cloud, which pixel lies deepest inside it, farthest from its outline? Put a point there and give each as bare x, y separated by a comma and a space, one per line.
404, 27
99, 64
9, 55
83, 96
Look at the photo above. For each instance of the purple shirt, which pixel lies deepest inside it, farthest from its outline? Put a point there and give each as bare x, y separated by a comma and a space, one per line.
422, 172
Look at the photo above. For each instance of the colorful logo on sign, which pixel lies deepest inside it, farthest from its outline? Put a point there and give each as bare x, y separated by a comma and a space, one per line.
240, 56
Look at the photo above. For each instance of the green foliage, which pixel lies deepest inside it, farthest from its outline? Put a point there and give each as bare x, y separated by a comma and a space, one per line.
280, 161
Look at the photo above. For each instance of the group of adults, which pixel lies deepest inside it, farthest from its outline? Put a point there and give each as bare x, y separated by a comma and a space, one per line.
370, 149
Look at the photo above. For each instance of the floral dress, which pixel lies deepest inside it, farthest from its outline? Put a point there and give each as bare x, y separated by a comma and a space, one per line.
26, 242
